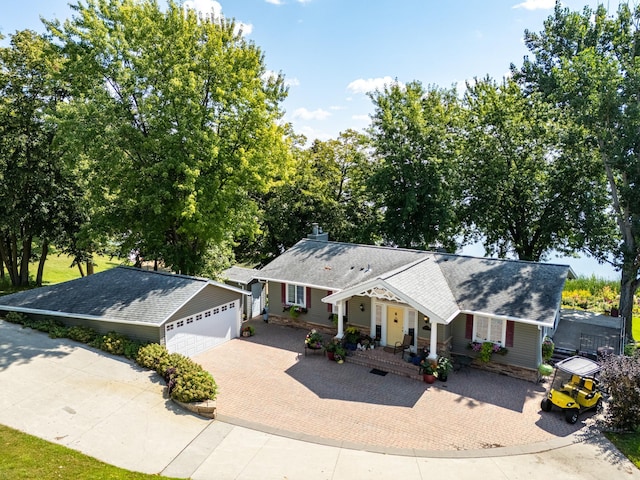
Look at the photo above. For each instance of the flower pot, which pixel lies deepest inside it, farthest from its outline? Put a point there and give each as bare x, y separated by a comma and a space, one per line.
443, 377
429, 378
331, 356
351, 346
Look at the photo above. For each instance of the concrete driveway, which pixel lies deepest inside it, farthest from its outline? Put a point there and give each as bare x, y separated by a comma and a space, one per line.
107, 407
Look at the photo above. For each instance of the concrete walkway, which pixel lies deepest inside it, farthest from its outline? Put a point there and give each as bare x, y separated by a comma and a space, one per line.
109, 408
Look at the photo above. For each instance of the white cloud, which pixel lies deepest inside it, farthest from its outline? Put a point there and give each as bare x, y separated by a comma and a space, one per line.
213, 10
363, 85
275, 2
291, 82
205, 7
304, 1
337, 107
244, 28
305, 114
360, 118
313, 134
536, 4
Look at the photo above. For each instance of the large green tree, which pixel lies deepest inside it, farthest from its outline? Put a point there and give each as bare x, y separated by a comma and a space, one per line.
589, 64
37, 191
526, 192
175, 121
328, 187
413, 134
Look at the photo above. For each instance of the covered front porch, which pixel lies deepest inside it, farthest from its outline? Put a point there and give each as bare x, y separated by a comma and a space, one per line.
388, 315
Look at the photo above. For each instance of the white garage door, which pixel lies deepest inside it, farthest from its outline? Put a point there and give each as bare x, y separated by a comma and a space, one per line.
195, 334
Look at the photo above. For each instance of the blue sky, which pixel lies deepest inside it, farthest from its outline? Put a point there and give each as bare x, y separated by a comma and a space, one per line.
333, 51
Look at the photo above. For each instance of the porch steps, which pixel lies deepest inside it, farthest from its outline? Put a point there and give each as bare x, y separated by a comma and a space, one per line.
385, 361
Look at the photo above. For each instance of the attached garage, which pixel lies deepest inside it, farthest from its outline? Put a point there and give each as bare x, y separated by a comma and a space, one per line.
207, 329
187, 314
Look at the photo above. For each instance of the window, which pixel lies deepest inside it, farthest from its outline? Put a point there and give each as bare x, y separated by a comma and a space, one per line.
487, 329
295, 295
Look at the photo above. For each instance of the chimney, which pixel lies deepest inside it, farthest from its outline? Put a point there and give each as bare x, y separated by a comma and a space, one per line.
317, 234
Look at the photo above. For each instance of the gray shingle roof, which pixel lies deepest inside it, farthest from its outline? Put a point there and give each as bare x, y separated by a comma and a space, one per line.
335, 265
240, 275
512, 288
443, 283
120, 294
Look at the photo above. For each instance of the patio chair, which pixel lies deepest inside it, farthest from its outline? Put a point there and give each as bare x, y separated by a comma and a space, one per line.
404, 346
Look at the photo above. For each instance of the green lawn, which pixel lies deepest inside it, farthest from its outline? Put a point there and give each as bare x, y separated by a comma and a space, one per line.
628, 444
27, 457
58, 268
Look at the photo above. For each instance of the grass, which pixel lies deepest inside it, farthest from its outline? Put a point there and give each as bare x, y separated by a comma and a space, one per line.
58, 269
628, 444
24, 456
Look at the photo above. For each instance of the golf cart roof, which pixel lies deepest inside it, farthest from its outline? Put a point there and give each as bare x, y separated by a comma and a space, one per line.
581, 366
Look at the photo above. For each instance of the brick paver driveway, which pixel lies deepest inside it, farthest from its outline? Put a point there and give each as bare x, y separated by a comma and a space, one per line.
266, 381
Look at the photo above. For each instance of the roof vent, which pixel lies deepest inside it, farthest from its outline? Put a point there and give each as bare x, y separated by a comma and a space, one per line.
317, 234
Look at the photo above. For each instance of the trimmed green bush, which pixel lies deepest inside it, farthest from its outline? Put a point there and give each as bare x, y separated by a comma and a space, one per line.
131, 349
195, 385
58, 331
16, 317
82, 334
112, 342
150, 356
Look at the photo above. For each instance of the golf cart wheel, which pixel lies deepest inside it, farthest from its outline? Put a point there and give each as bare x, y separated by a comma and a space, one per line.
599, 406
545, 405
571, 415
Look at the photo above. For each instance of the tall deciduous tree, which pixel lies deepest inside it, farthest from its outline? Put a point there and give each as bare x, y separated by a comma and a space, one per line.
413, 135
176, 118
328, 187
525, 191
37, 194
588, 63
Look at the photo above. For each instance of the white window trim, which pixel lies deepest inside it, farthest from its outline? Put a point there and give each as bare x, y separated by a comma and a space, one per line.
489, 319
304, 295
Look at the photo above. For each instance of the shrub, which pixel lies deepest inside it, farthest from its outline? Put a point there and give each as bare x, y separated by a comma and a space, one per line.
15, 317
131, 349
59, 331
547, 349
112, 342
195, 385
41, 324
620, 375
83, 334
150, 356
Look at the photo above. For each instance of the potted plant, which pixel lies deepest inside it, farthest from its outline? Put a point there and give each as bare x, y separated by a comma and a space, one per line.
351, 337
340, 354
248, 331
428, 368
313, 340
444, 368
331, 348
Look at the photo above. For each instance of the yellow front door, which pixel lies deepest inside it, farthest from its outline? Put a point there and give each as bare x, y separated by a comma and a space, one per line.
395, 321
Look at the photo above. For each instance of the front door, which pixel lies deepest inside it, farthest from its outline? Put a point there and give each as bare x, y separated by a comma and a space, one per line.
395, 324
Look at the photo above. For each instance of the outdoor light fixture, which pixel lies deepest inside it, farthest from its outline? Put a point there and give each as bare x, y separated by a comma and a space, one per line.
427, 325
362, 307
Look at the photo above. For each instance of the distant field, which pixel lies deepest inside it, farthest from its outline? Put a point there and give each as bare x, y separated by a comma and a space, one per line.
58, 268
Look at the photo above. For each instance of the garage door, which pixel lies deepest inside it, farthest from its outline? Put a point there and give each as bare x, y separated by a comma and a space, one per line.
195, 334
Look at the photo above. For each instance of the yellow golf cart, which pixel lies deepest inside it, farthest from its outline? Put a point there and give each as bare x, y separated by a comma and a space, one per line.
574, 388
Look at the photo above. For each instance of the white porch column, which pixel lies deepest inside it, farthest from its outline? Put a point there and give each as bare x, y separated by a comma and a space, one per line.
372, 318
433, 342
340, 319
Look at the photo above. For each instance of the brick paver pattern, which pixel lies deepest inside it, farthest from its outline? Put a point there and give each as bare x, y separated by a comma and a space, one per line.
267, 380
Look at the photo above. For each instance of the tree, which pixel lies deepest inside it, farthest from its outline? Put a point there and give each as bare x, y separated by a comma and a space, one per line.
175, 120
413, 135
587, 64
36, 188
524, 190
328, 187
